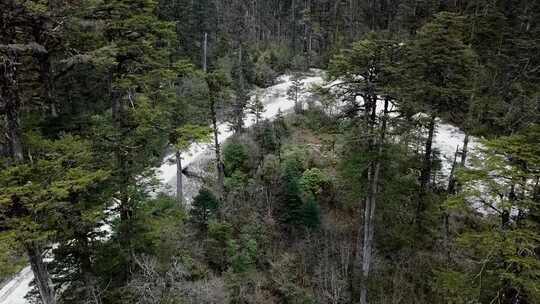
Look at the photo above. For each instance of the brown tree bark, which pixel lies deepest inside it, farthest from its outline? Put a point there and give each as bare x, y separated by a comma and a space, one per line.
219, 163
425, 175
179, 190
42, 277
10, 104
371, 203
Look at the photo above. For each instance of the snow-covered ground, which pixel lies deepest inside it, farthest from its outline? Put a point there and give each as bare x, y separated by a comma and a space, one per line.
274, 98
15, 290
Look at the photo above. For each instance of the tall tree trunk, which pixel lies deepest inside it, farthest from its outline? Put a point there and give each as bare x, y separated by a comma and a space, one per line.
464, 151
10, 105
42, 277
14, 132
425, 175
373, 189
121, 167
451, 178
205, 52
219, 163
9, 101
47, 81
294, 26
92, 294
179, 190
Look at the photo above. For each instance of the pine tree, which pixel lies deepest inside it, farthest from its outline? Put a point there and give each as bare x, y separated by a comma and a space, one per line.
39, 196
218, 91
366, 71
294, 93
256, 108
182, 138
436, 73
134, 50
205, 206
501, 245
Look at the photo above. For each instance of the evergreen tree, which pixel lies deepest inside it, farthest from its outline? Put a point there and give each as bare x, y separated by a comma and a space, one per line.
294, 93
134, 52
205, 206
436, 73
43, 198
502, 248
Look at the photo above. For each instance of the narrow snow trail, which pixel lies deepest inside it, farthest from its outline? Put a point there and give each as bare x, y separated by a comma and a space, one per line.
15, 290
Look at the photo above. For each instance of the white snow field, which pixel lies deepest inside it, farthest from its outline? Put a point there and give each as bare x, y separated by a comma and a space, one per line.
274, 98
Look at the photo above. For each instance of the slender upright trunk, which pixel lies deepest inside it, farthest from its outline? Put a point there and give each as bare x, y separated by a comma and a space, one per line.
205, 52
373, 189
294, 34
464, 151
451, 177
121, 168
219, 163
46, 78
425, 175
42, 277
10, 104
14, 132
9, 101
179, 190
92, 294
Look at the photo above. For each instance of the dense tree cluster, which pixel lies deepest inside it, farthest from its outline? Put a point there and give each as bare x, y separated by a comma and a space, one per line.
346, 200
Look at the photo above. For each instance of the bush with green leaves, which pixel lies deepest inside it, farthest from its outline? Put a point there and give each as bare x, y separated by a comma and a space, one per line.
235, 158
204, 207
220, 234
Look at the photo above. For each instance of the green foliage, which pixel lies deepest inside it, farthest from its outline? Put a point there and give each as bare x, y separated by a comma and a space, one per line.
313, 181
11, 260
311, 214
36, 195
186, 135
235, 158
284, 281
437, 68
503, 249
204, 207
161, 223
220, 235
243, 254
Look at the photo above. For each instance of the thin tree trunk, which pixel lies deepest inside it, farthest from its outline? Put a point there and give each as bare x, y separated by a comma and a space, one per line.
14, 132
179, 190
205, 52
464, 151
9, 99
294, 34
121, 168
219, 163
451, 177
92, 293
372, 197
425, 175
46, 78
42, 277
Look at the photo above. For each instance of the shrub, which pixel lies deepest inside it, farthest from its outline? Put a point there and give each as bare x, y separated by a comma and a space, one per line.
204, 207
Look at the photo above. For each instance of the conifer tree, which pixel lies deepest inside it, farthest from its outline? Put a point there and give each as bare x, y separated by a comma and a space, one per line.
182, 138
294, 93
436, 73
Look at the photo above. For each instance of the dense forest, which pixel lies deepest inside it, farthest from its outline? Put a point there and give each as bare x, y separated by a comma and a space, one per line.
269, 151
